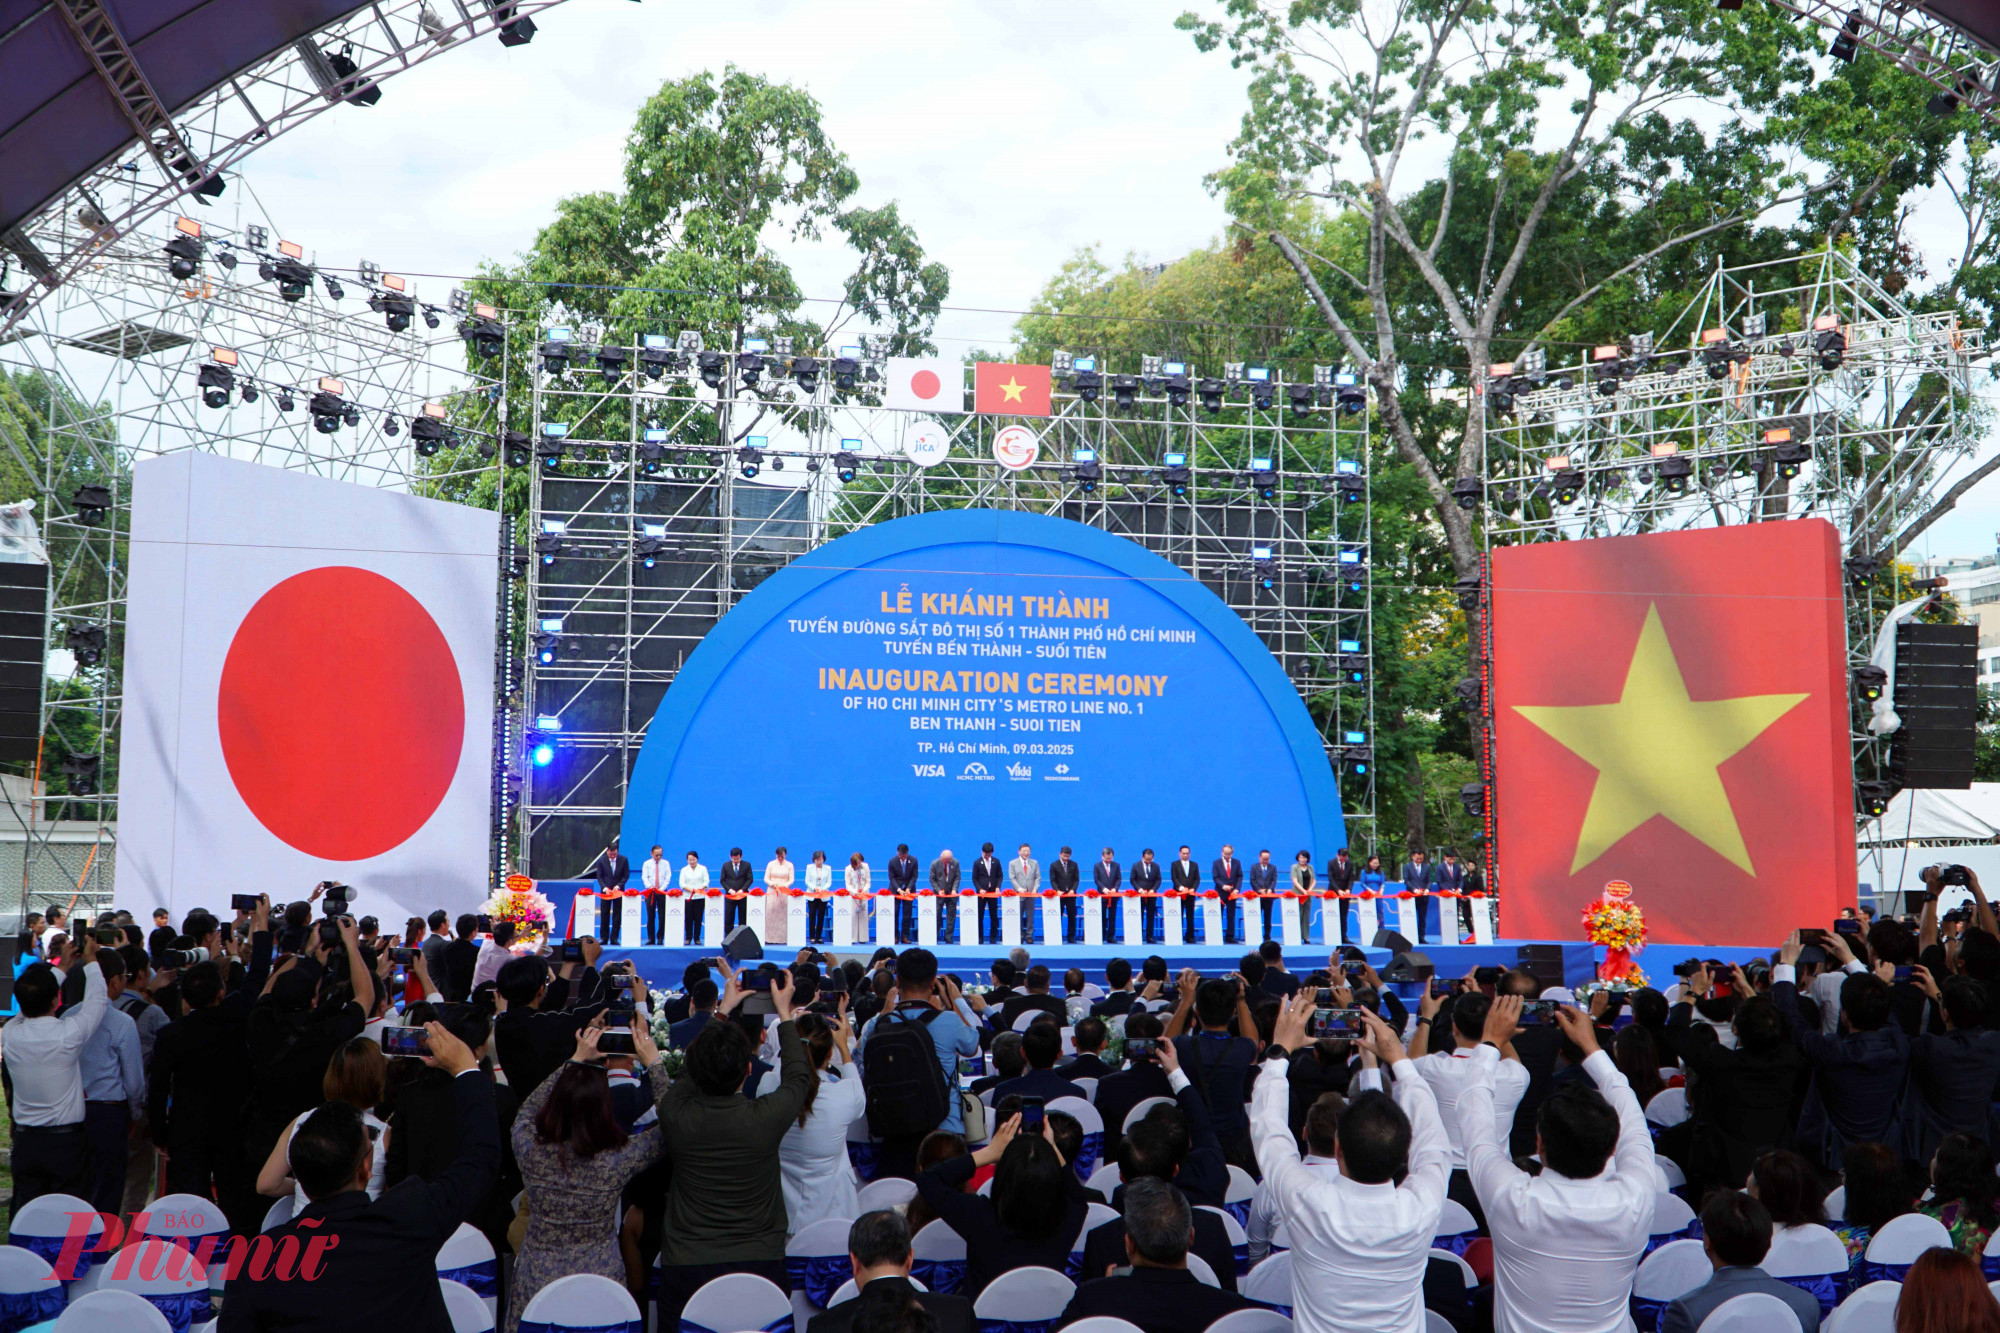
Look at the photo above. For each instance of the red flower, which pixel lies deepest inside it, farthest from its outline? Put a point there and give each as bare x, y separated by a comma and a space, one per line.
1051, 893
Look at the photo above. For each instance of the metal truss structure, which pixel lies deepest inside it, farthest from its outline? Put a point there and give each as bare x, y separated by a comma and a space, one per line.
1963, 65
125, 361
184, 153
669, 483
1794, 389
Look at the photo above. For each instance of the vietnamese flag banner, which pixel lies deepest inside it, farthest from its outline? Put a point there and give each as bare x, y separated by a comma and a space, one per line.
1671, 710
1005, 389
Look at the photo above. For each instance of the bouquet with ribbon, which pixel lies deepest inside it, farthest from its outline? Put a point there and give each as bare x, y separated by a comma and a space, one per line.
1616, 922
531, 912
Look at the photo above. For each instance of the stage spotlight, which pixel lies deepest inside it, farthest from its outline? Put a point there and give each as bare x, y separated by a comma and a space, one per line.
750, 364
749, 460
1323, 385
1089, 384
227, 260
1860, 569
183, 255
711, 365
1469, 591
514, 30
555, 350
1175, 380
396, 310
1567, 485
485, 335
1263, 391
1473, 797
430, 316
648, 550
652, 448
1872, 798
390, 427
1262, 478
485, 446
1870, 682
1124, 391
805, 374
1354, 759
1829, 342
249, 391
285, 403
332, 285
549, 449
549, 545
351, 416
428, 433
1467, 693
1087, 469
1788, 455
1466, 491
1348, 395
215, 383
1674, 471
1300, 398
1846, 43
85, 643
845, 465
611, 360
543, 752
81, 772
547, 645
293, 278
1604, 369
656, 356
1264, 567
349, 89
327, 406
1353, 570
90, 503
1351, 664
519, 450
1211, 390
1176, 475
846, 372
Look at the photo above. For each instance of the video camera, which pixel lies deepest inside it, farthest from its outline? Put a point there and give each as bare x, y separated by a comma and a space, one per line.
336, 898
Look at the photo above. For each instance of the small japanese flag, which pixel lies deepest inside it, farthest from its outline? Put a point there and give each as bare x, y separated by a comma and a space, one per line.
924, 384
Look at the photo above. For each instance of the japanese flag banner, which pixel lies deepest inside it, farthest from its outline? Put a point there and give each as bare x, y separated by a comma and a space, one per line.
923, 384
308, 691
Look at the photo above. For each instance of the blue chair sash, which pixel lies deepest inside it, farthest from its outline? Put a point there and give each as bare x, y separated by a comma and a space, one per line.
18, 1309
1989, 1264
1013, 1326
779, 1326
1690, 1232
1241, 1253
50, 1248
818, 1275
1073, 1266
1872, 1272
483, 1277
1646, 1314
537, 1326
944, 1276
182, 1308
1458, 1244
1240, 1210
1822, 1287
862, 1155
1087, 1155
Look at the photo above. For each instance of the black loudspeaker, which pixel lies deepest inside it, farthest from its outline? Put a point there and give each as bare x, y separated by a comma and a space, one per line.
24, 604
1542, 961
1410, 965
742, 944
1390, 940
1937, 697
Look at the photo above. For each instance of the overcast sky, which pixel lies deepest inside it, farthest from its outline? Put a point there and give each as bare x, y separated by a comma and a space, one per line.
1011, 134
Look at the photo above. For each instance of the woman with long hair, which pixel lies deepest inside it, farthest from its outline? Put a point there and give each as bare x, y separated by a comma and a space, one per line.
1944, 1292
1878, 1190
575, 1161
1632, 1051
358, 1074
818, 1178
1963, 1192
1034, 1218
938, 1145
1789, 1188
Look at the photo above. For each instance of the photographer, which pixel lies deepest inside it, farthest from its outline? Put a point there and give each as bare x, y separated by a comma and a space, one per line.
43, 1054
537, 1030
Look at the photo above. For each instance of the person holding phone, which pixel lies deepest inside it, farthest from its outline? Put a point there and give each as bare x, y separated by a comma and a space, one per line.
819, 1180
1033, 1218
358, 1075
1451, 1069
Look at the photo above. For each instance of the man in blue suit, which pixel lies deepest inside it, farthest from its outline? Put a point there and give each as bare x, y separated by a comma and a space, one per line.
1736, 1232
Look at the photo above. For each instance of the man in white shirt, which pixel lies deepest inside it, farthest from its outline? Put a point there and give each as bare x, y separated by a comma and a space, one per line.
1322, 1159
43, 1054
1566, 1242
1360, 1241
1448, 1069
656, 876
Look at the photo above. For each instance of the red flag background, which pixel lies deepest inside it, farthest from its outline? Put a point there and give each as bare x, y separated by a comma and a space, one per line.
1671, 710
1009, 389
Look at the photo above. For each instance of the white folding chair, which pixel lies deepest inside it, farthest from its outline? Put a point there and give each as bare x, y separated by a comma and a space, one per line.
1871, 1309
1458, 1261
277, 1214
186, 1220
1991, 1252
937, 1255
1669, 1273
167, 1276
985, 1190
465, 1307
1025, 1296
1437, 1323
1089, 1086
817, 1260
1028, 1016
1093, 1132
1671, 1219
1897, 1243
888, 1192
1136, 1114
1456, 1225
1249, 1321
1097, 1214
848, 1291
1105, 1179
1667, 1168
734, 1303
1836, 1204
1812, 1259
1668, 1073
41, 1226
1668, 1108
468, 1258
586, 1300
1754, 1312
1239, 1239
29, 1284
1103, 1323
111, 1312
1271, 1281
1201, 1270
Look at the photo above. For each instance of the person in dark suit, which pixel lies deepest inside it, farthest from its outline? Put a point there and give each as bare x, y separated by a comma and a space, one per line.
1263, 882
1419, 876
701, 1010
1036, 996
538, 1031
736, 877
1277, 981
1141, 1078
425, 1137
1452, 876
944, 883
878, 1245
1227, 873
1736, 1233
461, 956
1041, 1046
1118, 977
1953, 1074
1739, 1098
379, 1256
903, 870
1090, 1034
1185, 877
1857, 1089
1159, 1294
611, 869
1341, 873
988, 877
1108, 879
1064, 876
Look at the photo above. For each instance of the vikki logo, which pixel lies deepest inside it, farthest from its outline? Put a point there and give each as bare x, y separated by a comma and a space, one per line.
261, 1259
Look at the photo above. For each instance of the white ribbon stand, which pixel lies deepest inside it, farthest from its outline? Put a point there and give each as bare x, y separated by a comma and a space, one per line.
1409, 911
1367, 920
1170, 921
927, 920
1211, 921
1482, 920
795, 918
1332, 920
1052, 925
1092, 912
1010, 921
968, 916
632, 920
711, 922
884, 907
1133, 919
1288, 910
843, 921
676, 922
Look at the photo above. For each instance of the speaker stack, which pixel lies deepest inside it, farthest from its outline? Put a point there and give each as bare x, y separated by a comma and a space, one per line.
24, 606
1937, 697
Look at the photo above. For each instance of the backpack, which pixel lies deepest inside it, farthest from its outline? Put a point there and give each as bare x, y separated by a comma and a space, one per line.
902, 1078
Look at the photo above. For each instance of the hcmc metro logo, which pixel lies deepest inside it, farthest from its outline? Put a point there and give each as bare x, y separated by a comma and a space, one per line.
975, 772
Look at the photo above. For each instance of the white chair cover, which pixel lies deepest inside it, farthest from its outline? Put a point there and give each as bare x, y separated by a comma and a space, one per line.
1668, 1108
1201, 1270
1807, 1251
888, 1192
588, 1299
817, 1259
1133, 1116
277, 1214
1437, 1323
1872, 1309
848, 1291
1103, 1323
1836, 1204
1458, 1261
1271, 1281
1455, 1220
29, 1291
111, 1312
1105, 1179
1753, 1312
1025, 1295
1089, 1086
1675, 1177
166, 1276
1672, 1271
1249, 1321
1901, 1239
467, 1258
1671, 1215
466, 1307
1241, 1187
42, 1225
736, 1302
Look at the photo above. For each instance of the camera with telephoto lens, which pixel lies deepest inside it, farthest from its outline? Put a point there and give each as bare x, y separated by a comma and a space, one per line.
1954, 877
175, 958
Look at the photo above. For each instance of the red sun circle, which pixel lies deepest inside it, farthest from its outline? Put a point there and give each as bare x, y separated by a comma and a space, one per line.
924, 384
341, 713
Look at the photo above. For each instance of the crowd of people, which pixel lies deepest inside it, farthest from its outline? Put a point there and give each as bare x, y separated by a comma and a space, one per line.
394, 1086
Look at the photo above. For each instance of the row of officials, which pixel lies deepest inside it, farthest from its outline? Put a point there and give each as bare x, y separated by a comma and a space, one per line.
1226, 874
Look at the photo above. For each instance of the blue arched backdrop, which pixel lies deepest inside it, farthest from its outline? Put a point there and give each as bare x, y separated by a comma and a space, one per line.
1087, 692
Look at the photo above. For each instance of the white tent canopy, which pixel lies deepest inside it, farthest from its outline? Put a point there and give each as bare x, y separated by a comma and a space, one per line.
1972, 815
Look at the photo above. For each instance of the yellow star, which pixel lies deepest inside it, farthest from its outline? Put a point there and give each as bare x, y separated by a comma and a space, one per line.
1012, 388
1657, 752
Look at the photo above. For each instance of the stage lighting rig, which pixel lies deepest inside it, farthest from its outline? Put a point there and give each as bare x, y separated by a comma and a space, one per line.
1300, 398
1567, 485
549, 545
555, 350
1062, 367
649, 548
1870, 683
184, 250
1846, 42
1124, 391
1500, 387
1717, 355
1673, 468
1177, 382
1861, 569
329, 405
1263, 389
1089, 384
1353, 567
484, 332
1262, 478
334, 290
428, 432
81, 772
249, 390
611, 361
1348, 395
227, 258
1473, 797
217, 378
875, 348
390, 426
547, 645
711, 365
750, 458
1264, 568
1829, 342
1872, 798
750, 361
290, 271
1175, 474
1466, 693
514, 31
517, 448
1351, 662
90, 503
652, 448
846, 463
1354, 759
285, 403
1788, 455
656, 356
396, 310
549, 449
1466, 492
85, 643
846, 371
1604, 369
1348, 483
1469, 592
1211, 391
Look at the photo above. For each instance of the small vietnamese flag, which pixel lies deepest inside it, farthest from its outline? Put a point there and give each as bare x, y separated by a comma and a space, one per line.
1010, 390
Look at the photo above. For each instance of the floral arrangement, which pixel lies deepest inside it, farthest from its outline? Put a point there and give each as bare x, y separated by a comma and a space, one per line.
531, 912
672, 1056
1615, 922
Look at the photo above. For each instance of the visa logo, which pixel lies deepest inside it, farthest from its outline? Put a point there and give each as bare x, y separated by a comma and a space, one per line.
927, 770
